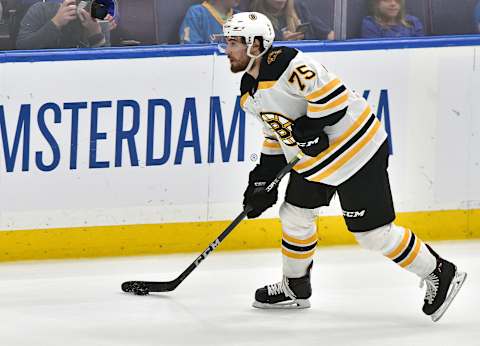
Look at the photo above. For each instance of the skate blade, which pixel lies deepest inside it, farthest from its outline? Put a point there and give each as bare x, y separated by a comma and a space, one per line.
291, 304
455, 286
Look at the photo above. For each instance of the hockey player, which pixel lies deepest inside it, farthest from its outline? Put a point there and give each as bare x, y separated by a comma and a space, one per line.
303, 106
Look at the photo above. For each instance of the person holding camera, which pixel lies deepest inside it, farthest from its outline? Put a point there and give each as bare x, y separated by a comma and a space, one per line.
61, 25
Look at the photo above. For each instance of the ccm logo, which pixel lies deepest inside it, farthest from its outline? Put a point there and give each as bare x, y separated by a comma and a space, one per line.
206, 252
308, 144
354, 214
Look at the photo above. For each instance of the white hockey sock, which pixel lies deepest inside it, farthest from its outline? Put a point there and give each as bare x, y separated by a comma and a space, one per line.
297, 255
299, 239
400, 245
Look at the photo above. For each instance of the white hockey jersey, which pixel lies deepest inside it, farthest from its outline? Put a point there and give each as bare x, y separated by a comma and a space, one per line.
291, 85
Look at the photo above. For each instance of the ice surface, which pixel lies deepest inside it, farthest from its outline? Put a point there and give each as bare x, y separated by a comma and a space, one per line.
359, 298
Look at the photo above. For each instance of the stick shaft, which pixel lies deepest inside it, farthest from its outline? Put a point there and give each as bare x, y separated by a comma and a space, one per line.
237, 220
171, 285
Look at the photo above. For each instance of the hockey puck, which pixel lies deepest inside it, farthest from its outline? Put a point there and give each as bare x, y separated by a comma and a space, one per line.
135, 287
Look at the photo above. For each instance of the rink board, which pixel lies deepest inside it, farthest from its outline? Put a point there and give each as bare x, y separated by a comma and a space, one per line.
129, 240
155, 158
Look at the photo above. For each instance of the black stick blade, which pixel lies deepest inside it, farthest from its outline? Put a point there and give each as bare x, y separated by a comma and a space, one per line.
142, 288
136, 287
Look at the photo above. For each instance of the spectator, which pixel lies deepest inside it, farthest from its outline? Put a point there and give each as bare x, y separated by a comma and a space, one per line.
16, 9
389, 20
292, 20
202, 22
59, 25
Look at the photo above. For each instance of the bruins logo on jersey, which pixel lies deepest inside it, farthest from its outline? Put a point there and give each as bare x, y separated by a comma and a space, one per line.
281, 125
272, 57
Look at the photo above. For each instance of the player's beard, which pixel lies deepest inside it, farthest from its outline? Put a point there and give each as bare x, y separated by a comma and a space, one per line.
239, 65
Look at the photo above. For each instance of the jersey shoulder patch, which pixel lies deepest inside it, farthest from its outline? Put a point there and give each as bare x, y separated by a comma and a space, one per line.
273, 65
275, 62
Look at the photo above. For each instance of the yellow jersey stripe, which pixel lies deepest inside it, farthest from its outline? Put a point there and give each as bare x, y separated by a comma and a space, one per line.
412, 255
335, 144
298, 255
293, 240
244, 99
395, 252
332, 104
266, 85
271, 144
355, 149
323, 91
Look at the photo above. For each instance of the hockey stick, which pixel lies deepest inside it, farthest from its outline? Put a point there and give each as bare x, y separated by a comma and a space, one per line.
145, 287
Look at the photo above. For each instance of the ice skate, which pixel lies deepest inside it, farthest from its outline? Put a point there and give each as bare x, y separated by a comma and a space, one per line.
290, 293
443, 285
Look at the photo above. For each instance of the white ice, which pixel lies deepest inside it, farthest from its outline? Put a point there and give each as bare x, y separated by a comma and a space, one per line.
359, 298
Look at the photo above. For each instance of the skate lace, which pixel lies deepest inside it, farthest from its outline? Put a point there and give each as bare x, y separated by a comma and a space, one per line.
281, 287
275, 289
432, 283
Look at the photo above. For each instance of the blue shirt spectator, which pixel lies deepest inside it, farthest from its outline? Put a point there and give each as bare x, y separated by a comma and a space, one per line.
371, 28
389, 20
202, 22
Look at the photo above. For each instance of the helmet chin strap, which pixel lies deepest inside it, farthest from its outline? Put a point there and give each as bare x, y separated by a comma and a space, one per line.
253, 57
250, 64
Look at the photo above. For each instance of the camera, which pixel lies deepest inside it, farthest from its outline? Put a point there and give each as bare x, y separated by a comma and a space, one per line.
96, 9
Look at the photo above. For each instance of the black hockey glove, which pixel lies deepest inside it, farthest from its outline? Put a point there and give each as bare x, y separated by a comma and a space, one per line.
309, 135
255, 196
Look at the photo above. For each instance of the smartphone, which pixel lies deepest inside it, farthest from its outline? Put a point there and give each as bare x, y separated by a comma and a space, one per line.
304, 27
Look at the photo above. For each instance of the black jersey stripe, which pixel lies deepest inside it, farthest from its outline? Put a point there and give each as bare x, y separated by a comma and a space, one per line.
330, 96
331, 119
407, 251
271, 138
299, 248
341, 150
